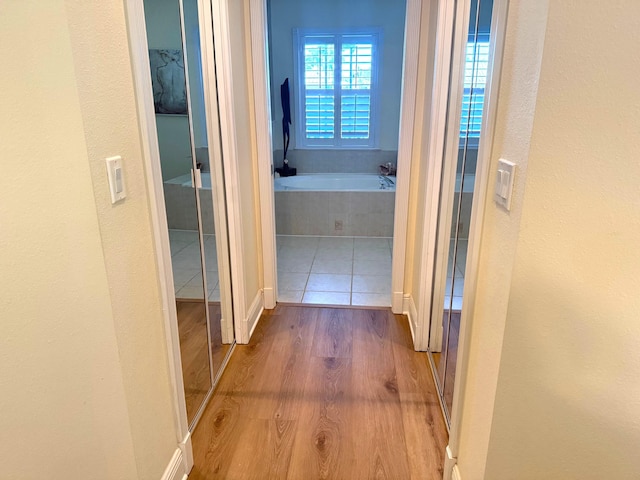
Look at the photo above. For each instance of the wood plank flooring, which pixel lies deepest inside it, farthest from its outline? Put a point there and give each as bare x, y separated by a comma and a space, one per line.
323, 393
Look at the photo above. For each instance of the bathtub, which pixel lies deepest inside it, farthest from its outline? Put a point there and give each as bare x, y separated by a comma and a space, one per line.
329, 204
331, 182
185, 180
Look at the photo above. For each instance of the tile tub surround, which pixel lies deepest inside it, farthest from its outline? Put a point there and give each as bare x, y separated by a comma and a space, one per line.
349, 214
180, 205
334, 270
336, 161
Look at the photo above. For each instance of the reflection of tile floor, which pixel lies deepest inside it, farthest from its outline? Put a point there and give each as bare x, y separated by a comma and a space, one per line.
187, 267
458, 277
334, 270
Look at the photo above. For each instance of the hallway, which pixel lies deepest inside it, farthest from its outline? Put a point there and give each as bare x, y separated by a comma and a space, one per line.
323, 393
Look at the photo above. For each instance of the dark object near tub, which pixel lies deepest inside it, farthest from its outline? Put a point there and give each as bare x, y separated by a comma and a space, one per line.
286, 171
286, 116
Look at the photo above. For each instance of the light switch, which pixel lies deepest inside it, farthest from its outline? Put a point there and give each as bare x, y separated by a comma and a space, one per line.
504, 183
116, 178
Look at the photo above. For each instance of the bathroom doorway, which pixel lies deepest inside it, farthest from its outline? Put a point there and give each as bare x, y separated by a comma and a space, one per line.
336, 75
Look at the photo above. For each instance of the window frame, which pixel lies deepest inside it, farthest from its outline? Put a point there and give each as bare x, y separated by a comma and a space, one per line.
338, 36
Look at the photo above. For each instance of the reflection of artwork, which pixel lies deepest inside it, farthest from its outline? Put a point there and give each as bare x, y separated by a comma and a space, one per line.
167, 77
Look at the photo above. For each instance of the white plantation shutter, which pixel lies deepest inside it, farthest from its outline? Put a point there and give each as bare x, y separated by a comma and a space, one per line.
337, 87
475, 79
319, 78
355, 83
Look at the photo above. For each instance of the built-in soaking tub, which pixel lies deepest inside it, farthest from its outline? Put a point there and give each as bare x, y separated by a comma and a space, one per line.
335, 205
330, 182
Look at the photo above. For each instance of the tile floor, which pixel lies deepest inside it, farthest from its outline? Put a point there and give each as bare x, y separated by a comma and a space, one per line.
334, 270
318, 270
187, 266
457, 277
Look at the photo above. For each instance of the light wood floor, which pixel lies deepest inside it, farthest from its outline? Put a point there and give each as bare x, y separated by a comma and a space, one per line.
323, 393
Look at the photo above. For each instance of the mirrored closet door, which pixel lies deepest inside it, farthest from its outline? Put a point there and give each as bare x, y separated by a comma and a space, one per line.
193, 184
464, 123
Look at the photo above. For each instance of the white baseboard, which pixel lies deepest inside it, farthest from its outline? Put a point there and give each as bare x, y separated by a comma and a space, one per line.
176, 470
456, 473
409, 309
269, 298
253, 315
187, 452
451, 470
397, 302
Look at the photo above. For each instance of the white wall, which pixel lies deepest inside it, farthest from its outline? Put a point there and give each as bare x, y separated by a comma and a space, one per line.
86, 392
285, 15
553, 387
99, 42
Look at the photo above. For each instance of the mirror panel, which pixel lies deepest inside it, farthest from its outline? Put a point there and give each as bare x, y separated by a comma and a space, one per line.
220, 339
193, 220
457, 193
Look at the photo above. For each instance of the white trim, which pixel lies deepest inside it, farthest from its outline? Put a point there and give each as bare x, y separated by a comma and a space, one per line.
224, 78
253, 315
262, 100
186, 448
448, 168
456, 473
176, 469
409, 309
483, 183
151, 157
451, 470
405, 145
215, 163
435, 150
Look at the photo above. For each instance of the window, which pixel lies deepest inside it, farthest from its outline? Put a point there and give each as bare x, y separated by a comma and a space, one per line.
475, 79
336, 89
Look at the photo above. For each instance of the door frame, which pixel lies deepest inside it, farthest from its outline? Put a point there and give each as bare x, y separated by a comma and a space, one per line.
137, 33
262, 105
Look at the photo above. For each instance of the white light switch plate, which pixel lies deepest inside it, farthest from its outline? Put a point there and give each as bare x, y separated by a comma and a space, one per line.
504, 183
116, 178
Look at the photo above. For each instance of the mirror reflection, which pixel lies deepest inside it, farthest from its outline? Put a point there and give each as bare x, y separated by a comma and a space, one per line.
176, 73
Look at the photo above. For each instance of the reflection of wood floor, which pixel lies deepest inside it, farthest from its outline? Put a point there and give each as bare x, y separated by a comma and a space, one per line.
192, 328
323, 393
452, 356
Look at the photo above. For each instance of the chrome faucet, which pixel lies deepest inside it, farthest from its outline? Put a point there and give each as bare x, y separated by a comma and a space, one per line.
385, 182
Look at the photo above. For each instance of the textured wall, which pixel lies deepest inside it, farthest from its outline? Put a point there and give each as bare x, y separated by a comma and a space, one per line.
552, 390
107, 102
516, 106
64, 405
85, 354
568, 397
